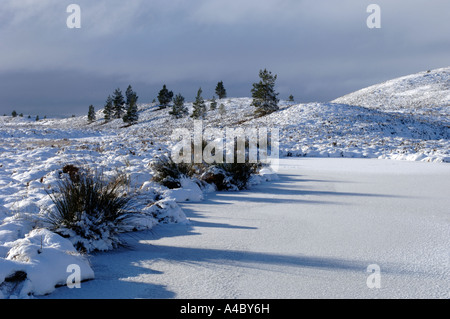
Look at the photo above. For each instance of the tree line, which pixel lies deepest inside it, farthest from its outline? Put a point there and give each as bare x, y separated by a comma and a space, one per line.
118, 106
265, 98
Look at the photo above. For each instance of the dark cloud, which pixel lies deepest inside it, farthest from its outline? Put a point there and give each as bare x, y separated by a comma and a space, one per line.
319, 49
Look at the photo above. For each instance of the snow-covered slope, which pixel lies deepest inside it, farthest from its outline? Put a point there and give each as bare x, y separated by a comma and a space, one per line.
425, 95
339, 130
316, 130
406, 118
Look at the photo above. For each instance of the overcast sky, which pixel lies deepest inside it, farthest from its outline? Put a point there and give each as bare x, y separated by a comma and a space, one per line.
320, 49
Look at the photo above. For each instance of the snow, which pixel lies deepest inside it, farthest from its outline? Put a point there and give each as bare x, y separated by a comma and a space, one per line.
45, 257
369, 185
310, 234
189, 191
340, 130
426, 95
32, 158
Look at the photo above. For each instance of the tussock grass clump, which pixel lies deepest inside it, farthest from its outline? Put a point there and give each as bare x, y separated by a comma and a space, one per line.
89, 209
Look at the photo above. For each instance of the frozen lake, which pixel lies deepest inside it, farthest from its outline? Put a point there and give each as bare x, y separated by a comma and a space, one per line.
313, 233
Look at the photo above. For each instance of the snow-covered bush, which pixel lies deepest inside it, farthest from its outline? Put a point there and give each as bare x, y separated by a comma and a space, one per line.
169, 173
224, 176
230, 176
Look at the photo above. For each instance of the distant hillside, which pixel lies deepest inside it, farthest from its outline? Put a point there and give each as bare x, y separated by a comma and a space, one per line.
340, 130
426, 95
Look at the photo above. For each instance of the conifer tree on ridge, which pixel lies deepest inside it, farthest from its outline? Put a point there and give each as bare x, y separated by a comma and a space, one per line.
264, 96
220, 90
91, 114
108, 109
164, 97
131, 115
199, 106
179, 109
118, 104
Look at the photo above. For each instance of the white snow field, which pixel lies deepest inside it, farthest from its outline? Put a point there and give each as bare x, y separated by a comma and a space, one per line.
360, 185
425, 95
310, 234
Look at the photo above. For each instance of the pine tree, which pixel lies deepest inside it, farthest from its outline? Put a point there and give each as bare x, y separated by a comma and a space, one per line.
14, 114
220, 90
108, 110
37, 118
91, 114
291, 98
213, 104
164, 97
118, 104
132, 115
131, 104
130, 96
179, 109
199, 106
264, 97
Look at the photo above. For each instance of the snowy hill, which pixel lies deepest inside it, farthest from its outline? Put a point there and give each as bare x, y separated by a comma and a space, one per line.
339, 130
425, 95
313, 129
406, 118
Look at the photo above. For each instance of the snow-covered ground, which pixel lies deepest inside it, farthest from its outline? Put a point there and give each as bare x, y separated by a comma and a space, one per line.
32, 155
424, 95
340, 130
310, 234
